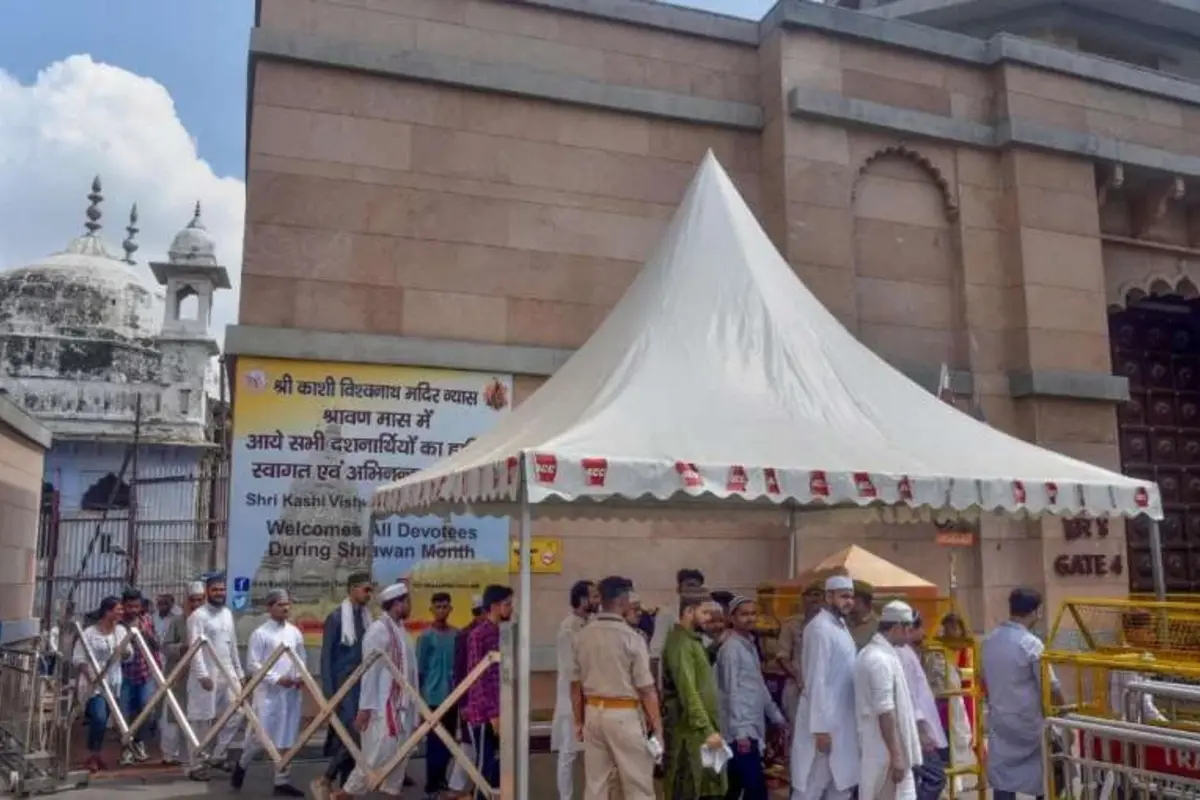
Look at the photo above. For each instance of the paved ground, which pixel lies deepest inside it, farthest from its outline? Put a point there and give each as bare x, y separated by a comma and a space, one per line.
163, 783
156, 783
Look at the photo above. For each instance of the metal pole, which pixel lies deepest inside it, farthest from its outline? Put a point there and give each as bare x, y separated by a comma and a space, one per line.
793, 545
524, 646
508, 750
131, 538
1156, 562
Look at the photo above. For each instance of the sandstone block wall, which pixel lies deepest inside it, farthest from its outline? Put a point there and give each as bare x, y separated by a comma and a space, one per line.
20, 499
385, 205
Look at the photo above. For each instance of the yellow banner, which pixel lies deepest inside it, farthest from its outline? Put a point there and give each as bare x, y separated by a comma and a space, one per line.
312, 441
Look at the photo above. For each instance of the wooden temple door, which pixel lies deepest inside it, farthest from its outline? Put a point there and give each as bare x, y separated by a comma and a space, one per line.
1156, 345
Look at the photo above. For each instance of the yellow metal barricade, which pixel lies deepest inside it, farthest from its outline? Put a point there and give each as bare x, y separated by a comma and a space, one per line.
960, 692
1129, 714
241, 705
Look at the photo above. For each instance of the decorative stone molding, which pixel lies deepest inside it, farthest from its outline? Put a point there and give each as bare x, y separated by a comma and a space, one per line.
949, 201
1185, 283
1068, 385
1113, 181
1151, 206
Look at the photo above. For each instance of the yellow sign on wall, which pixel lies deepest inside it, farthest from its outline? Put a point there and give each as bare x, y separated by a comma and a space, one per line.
545, 551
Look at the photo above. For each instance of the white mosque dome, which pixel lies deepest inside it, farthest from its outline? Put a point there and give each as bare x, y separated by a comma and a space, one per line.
80, 313
194, 244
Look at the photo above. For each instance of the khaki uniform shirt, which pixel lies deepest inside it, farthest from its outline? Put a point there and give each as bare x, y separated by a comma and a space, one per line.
791, 644
612, 660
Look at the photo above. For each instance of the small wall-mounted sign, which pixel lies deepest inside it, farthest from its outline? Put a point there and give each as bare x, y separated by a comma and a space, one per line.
955, 538
1083, 528
545, 551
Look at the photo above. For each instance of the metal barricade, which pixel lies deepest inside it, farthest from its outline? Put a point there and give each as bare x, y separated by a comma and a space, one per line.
965, 774
34, 746
241, 704
1125, 725
1113, 758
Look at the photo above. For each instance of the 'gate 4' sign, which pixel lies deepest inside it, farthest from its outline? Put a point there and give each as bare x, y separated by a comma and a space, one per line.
1088, 565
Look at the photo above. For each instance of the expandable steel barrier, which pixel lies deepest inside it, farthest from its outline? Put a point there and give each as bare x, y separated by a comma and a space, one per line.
33, 744
1117, 759
241, 699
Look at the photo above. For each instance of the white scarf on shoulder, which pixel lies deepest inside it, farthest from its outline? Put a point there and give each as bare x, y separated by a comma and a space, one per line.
348, 637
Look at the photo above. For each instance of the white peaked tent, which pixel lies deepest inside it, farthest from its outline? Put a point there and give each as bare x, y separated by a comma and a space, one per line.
719, 377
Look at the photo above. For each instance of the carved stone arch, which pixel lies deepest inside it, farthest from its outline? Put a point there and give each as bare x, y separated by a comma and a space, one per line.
949, 200
1185, 284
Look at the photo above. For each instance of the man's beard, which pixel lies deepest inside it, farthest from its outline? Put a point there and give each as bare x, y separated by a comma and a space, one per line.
216, 601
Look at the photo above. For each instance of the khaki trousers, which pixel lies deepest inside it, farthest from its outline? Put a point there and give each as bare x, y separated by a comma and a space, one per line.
615, 753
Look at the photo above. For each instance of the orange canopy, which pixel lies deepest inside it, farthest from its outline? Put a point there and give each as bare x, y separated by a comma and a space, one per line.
863, 565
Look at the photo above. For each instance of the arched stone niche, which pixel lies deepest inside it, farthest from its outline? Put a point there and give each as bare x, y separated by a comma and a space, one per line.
907, 262
1124, 290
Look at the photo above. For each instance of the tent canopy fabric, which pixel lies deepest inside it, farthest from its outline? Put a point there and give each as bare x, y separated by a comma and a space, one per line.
719, 376
863, 565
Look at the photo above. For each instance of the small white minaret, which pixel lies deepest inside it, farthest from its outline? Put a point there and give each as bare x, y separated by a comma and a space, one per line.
186, 344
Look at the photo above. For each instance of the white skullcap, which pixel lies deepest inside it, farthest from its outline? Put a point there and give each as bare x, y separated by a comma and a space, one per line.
195, 588
277, 595
897, 611
476, 601
839, 583
738, 600
394, 592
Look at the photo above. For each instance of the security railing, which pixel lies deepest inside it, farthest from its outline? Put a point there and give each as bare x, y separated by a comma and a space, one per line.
33, 741
1097, 758
241, 705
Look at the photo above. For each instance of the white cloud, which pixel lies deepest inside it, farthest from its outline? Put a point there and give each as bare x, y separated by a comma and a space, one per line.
80, 119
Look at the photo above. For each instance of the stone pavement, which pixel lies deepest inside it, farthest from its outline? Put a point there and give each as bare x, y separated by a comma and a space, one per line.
161, 783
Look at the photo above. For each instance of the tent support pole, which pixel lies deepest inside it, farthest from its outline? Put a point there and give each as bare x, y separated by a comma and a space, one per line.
1156, 562
524, 648
793, 545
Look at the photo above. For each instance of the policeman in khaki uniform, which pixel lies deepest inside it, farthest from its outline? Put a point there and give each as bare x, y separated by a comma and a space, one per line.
611, 688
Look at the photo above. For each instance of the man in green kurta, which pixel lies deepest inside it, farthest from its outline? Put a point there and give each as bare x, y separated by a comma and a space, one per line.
692, 707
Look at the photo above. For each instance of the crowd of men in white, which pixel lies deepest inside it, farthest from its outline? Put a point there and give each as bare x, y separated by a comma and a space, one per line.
386, 713
865, 723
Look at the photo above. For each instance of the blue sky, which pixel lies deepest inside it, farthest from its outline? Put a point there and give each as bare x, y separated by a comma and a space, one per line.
148, 94
195, 48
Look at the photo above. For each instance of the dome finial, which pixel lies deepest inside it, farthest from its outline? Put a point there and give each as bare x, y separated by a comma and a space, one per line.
196, 221
93, 211
129, 245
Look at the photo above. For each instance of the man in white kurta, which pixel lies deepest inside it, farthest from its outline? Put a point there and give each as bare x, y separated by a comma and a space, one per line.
887, 724
387, 710
585, 598
824, 759
278, 697
209, 690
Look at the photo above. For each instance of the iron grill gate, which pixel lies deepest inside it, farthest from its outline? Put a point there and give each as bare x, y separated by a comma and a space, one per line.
172, 531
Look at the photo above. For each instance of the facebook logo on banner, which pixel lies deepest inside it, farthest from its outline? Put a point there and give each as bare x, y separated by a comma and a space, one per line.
241, 584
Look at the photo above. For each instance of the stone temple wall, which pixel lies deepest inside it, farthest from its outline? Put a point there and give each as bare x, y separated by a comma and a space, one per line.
23, 444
